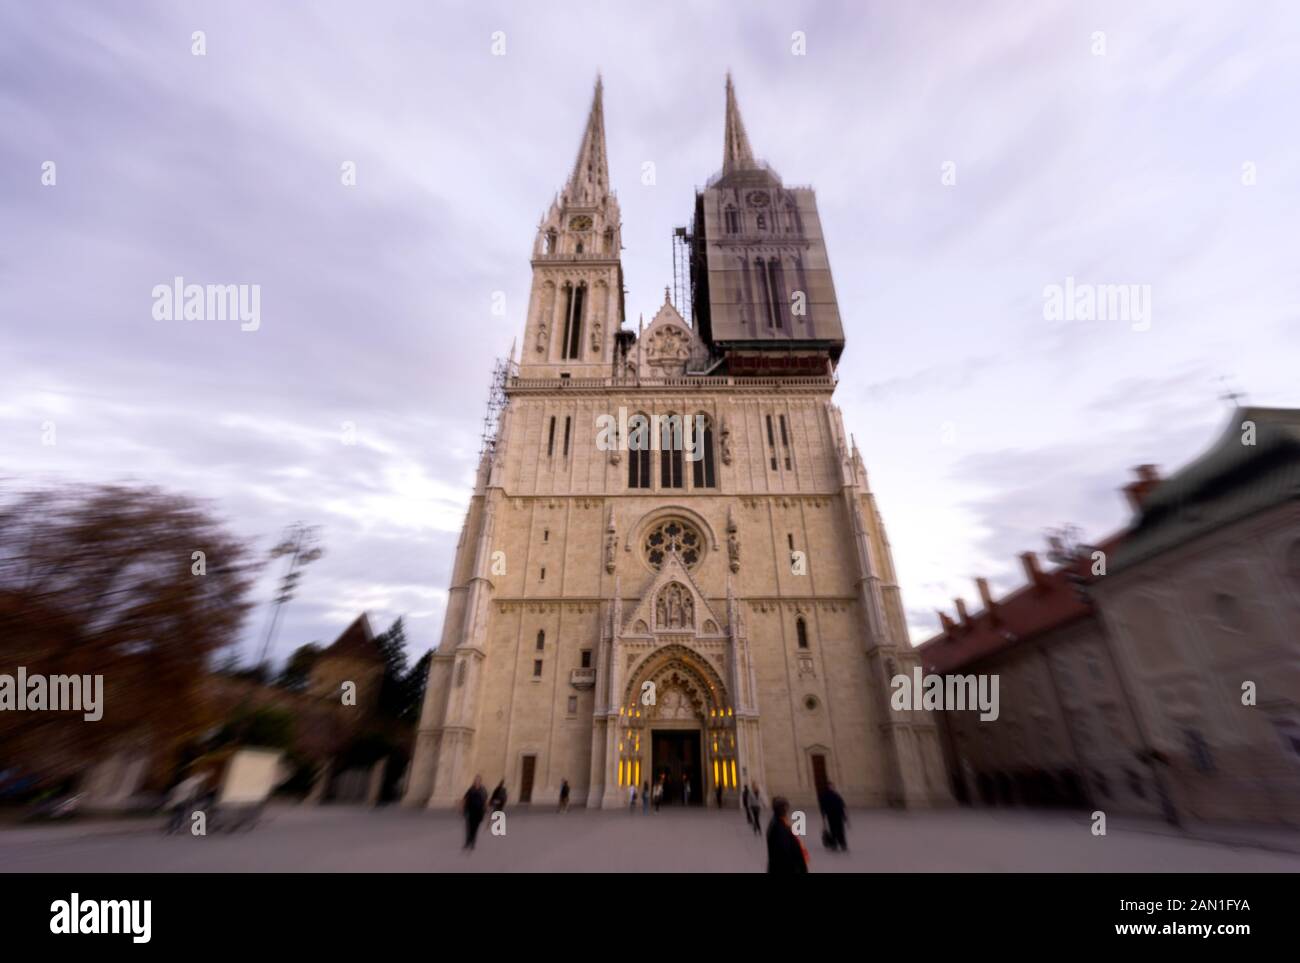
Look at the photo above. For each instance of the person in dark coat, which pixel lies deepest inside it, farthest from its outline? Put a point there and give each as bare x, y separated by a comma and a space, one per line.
785, 853
473, 806
744, 804
564, 795
756, 808
499, 797
836, 816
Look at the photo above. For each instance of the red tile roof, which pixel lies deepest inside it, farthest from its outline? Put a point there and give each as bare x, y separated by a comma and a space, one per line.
1030, 611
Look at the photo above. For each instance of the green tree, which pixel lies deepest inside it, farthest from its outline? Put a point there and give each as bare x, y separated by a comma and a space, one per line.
297, 670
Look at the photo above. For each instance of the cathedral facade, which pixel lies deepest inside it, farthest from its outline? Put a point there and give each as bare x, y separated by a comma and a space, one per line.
672, 570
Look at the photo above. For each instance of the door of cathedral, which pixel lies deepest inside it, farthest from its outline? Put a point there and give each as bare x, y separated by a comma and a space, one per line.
675, 755
526, 779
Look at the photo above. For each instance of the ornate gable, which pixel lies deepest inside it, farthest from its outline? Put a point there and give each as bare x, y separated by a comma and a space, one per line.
668, 346
673, 604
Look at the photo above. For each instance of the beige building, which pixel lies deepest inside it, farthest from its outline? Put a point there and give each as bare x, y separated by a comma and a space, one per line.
672, 568
1065, 732
1159, 672
1202, 601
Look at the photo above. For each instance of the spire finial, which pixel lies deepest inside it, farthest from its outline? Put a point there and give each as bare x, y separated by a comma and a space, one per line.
589, 182
736, 152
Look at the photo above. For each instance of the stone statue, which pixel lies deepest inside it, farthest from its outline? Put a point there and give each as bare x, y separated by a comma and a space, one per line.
611, 540
661, 613
733, 543
724, 439
544, 316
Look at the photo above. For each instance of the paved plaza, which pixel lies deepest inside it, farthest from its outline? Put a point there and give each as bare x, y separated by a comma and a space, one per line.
347, 839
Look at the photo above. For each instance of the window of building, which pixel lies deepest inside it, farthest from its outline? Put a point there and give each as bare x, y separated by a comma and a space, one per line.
546, 534
575, 296
1198, 750
801, 628
733, 221
673, 535
703, 467
541, 639
785, 443
638, 452
568, 428
573, 705
1103, 784
586, 658
550, 439
1293, 564
790, 540
671, 444
543, 578
776, 293
537, 668
1288, 730
1135, 784
1227, 611
771, 441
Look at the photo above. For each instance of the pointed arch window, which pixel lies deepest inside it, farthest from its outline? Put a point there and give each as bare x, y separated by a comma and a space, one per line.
638, 451
776, 291
671, 442
703, 471
733, 220
771, 289
575, 298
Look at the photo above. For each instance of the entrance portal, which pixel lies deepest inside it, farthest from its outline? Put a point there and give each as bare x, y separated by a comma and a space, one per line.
675, 755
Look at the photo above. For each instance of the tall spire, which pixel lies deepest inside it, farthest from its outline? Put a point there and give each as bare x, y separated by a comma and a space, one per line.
589, 182
736, 152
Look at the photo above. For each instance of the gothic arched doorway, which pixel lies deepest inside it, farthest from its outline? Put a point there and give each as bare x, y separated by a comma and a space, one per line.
677, 729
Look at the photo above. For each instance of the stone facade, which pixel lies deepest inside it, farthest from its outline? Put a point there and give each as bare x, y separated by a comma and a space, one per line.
728, 596
1159, 673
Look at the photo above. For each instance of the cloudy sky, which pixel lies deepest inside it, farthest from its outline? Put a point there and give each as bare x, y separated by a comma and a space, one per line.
1147, 144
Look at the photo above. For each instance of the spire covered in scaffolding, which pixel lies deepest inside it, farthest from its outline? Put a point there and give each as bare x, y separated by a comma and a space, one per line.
737, 155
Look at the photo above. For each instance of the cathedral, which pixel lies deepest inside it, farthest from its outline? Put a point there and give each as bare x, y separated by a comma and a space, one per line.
672, 571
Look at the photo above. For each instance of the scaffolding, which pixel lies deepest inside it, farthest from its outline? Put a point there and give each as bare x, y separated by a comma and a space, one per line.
682, 273
496, 404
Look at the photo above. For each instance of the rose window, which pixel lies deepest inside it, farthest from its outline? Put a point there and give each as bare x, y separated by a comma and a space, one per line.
673, 535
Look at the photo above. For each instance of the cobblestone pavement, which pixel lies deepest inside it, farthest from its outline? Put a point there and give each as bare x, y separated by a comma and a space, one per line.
344, 839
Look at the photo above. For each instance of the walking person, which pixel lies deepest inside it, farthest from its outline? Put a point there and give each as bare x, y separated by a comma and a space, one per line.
182, 799
785, 851
631, 799
836, 817
756, 808
659, 793
645, 798
744, 804
686, 790
472, 807
564, 795
499, 797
